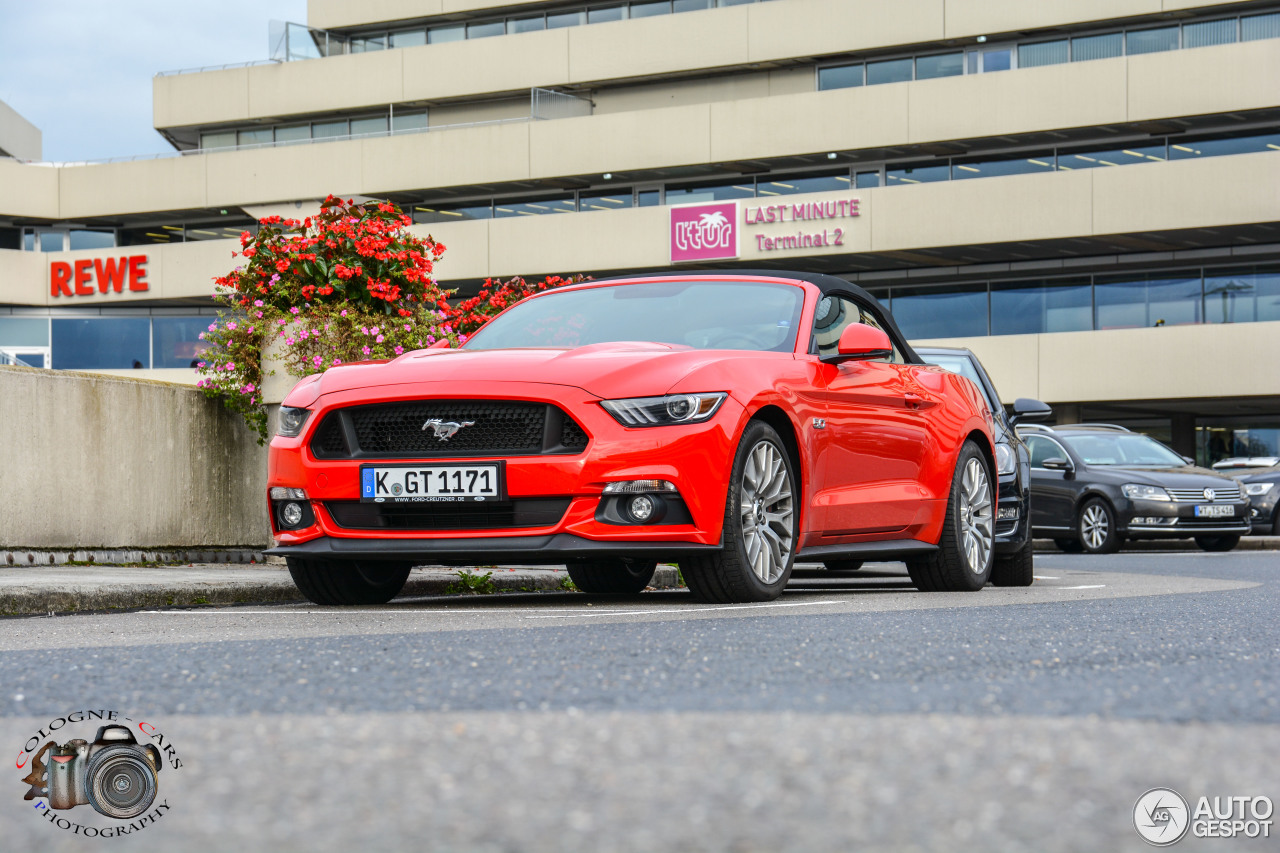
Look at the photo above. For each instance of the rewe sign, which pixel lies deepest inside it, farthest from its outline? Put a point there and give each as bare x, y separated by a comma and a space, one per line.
77, 278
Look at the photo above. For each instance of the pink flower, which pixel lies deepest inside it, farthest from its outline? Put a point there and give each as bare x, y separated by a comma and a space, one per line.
257, 303
258, 314
200, 364
213, 327
378, 339
408, 328
317, 361
288, 342
365, 350
201, 336
294, 310
344, 312
231, 365
337, 361
231, 326
462, 339
250, 388
399, 350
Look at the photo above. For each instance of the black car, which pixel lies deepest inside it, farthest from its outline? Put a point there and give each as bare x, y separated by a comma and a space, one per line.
1261, 478
1012, 566
1095, 485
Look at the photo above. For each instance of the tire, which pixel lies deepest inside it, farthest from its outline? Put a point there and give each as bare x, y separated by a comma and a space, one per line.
1096, 527
344, 582
612, 577
843, 565
1069, 546
759, 554
1217, 543
1013, 569
964, 558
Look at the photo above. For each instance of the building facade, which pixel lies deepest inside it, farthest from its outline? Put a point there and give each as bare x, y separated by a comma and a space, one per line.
1084, 192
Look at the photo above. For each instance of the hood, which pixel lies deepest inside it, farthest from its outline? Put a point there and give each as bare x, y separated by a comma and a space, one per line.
1179, 477
608, 370
1257, 475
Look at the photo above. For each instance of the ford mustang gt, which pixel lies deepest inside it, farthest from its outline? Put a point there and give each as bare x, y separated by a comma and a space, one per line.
732, 422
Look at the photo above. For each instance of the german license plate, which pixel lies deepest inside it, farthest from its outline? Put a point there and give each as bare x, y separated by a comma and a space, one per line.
430, 483
1215, 511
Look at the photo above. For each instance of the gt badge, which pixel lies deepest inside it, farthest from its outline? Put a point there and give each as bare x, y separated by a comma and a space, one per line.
445, 430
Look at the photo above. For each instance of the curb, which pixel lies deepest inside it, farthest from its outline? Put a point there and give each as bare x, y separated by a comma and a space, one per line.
1247, 543
116, 556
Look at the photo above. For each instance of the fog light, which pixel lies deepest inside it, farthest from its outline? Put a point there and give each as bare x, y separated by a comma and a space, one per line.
1007, 512
291, 514
641, 508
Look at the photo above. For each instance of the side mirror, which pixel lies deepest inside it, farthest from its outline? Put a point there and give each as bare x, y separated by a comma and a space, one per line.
1056, 463
860, 341
1188, 460
1026, 410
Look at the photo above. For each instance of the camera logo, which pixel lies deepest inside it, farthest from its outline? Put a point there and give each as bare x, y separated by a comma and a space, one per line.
113, 773
1161, 817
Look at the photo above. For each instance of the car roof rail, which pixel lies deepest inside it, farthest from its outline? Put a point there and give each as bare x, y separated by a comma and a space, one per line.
1034, 427
1116, 427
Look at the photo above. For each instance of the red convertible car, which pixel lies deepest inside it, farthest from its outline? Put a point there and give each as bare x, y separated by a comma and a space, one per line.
732, 422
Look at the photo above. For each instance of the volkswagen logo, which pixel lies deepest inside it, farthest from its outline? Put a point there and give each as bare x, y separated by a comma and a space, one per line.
1210, 494
445, 430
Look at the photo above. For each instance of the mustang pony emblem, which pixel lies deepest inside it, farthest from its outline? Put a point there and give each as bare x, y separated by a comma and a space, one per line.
445, 430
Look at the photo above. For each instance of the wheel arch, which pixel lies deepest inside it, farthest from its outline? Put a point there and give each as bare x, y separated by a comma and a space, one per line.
786, 430
983, 441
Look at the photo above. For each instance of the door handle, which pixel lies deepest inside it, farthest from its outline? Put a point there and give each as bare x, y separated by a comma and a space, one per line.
915, 401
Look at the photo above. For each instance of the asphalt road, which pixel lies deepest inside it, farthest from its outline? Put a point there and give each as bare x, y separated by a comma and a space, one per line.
854, 713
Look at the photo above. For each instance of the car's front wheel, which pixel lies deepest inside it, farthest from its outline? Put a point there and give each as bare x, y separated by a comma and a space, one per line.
760, 526
1217, 543
963, 560
612, 577
1096, 527
348, 581
1014, 569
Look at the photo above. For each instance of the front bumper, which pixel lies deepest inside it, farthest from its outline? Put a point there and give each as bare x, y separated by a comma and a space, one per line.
1264, 512
1013, 522
530, 550
1177, 520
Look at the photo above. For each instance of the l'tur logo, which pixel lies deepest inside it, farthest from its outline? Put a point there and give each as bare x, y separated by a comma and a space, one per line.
704, 232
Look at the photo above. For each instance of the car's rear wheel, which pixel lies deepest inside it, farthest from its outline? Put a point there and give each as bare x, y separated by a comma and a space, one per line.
843, 565
1069, 546
341, 582
612, 577
760, 526
963, 560
1096, 527
1217, 543
1014, 569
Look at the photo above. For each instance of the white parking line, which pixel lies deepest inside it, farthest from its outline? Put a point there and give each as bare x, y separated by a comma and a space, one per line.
1045, 577
1090, 586
579, 615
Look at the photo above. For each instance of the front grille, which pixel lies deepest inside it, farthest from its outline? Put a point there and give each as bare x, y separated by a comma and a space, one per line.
523, 512
1223, 494
483, 428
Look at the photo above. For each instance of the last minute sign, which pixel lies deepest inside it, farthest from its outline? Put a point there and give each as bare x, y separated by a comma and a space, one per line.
94, 276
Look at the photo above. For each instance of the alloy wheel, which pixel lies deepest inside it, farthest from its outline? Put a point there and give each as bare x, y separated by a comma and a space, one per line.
765, 508
976, 522
1095, 526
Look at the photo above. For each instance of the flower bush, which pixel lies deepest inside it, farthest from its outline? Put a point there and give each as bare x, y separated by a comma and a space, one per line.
350, 284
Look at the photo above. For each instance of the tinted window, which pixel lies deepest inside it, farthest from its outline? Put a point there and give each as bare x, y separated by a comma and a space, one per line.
950, 312
1032, 307
1122, 449
888, 71
101, 343
1042, 448
176, 341
840, 77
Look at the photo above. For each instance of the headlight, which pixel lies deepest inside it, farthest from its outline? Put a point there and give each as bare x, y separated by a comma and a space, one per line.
291, 421
1006, 459
1136, 492
664, 411
1256, 489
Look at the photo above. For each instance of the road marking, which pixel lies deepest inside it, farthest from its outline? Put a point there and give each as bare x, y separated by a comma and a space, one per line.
579, 615
1045, 577
1089, 586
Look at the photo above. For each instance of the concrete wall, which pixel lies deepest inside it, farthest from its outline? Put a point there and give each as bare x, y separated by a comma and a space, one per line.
105, 462
18, 137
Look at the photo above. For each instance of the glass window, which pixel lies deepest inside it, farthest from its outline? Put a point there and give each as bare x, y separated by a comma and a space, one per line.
649, 9
649, 198
149, 235
939, 65
1151, 41
917, 173
101, 343
1182, 149
690, 5
293, 133
256, 136
1257, 27
615, 13
11, 238
453, 212
1126, 302
28, 241
735, 2
24, 331
486, 29
792, 184
556, 20
408, 38
711, 192
534, 207
839, 77
1205, 33
176, 341
51, 241
990, 167
1097, 47
997, 59
326, 129
526, 25
604, 201
1043, 53
367, 44
867, 180
440, 35
92, 239
1094, 157
1034, 307
888, 71
409, 121
833, 315
220, 139
220, 229
947, 312
1238, 295
1042, 448
372, 124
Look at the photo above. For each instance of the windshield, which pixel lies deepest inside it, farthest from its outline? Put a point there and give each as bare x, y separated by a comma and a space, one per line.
1123, 449
962, 365
702, 314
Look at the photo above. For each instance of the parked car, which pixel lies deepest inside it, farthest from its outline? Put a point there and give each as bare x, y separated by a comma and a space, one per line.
732, 422
1095, 485
1260, 476
1013, 463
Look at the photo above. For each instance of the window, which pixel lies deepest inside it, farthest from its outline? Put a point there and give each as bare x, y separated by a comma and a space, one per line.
1151, 41
833, 315
24, 332
526, 25
1181, 149
649, 198
711, 192
1097, 47
1260, 27
440, 35
917, 173
51, 241
1034, 307
1095, 157
293, 133
557, 20
888, 71
839, 77
867, 180
1240, 295
176, 341
409, 121
791, 185
535, 207
649, 9
375, 124
101, 343
1043, 53
408, 38
218, 139
326, 129
256, 136
941, 312
690, 5
86, 239
597, 16
1126, 302
1041, 448
486, 30
604, 201
1205, 33
997, 59
368, 43
990, 167
939, 65
453, 213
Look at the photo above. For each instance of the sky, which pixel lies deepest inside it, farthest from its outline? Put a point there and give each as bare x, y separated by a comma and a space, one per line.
80, 70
